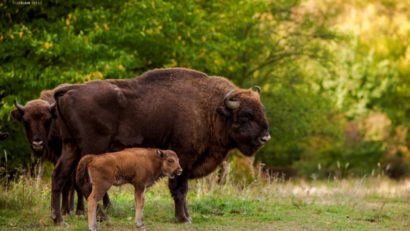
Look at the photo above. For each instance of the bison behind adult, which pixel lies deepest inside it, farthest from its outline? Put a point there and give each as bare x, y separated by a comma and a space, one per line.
38, 117
201, 118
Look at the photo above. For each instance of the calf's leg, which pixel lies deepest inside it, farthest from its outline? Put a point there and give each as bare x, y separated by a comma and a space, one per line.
139, 208
86, 189
92, 211
97, 193
179, 189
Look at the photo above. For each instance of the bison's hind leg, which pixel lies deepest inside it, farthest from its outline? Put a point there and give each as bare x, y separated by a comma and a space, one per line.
65, 205
80, 200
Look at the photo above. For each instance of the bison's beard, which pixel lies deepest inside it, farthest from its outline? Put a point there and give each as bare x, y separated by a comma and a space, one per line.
248, 150
38, 152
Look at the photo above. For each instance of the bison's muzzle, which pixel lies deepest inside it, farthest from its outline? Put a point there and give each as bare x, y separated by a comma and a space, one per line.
37, 145
264, 139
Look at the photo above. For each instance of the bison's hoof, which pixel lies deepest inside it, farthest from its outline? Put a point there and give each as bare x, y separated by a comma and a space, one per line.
65, 212
184, 220
93, 228
79, 212
57, 219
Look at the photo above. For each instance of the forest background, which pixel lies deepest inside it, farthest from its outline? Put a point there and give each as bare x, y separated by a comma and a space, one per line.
334, 73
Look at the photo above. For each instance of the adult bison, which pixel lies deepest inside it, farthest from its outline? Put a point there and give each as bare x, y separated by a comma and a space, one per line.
200, 117
38, 117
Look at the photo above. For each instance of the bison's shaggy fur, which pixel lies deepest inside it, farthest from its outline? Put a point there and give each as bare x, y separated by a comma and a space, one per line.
202, 118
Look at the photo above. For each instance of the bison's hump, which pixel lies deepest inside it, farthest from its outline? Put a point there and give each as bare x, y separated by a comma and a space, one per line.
165, 74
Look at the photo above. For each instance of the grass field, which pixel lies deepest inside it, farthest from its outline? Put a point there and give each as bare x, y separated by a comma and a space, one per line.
355, 204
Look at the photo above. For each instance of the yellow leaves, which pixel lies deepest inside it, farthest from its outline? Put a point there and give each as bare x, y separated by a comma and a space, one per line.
21, 34
172, 63
404, 63
94, 76
70, 20
47, 45
105, 26
121, 67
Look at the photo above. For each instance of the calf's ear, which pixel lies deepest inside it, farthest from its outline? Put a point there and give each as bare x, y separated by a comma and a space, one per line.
161, 154
17, 114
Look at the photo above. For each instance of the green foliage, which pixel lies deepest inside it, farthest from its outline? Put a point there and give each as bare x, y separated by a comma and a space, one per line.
318, 66
342, 161
247, 41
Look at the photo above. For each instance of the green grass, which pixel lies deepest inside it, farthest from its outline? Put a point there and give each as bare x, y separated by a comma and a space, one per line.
355, 204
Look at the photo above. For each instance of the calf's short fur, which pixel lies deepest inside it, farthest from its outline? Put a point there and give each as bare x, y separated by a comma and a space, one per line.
140, 167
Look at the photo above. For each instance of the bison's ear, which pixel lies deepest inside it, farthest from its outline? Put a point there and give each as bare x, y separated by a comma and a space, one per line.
161, 154
53, 110
17, 114
223, 111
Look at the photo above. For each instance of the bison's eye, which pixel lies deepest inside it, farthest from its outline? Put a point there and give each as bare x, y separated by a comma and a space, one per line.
171, 161
244, 119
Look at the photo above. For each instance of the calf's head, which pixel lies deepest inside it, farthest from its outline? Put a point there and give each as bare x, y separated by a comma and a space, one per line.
245, 119
36, 116
170, 163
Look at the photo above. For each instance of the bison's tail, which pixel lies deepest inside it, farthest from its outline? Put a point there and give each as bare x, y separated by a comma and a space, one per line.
58, 92
81, 175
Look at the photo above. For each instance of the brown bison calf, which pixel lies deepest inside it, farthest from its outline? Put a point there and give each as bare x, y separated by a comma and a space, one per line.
140, 167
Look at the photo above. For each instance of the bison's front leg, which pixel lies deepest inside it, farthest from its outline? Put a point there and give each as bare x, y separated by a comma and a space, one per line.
179, 189
61, 173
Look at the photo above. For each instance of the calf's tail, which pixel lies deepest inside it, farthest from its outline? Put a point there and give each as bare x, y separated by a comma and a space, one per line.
81, 176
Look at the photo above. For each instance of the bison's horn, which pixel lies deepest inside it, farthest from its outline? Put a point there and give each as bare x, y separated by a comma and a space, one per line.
18, 106
231, 104
257, 88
